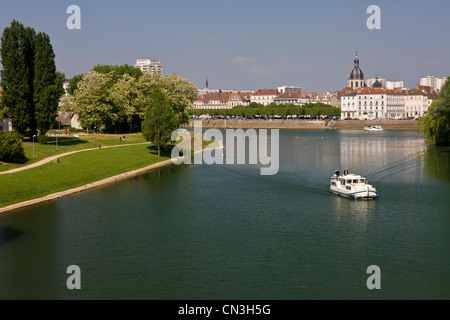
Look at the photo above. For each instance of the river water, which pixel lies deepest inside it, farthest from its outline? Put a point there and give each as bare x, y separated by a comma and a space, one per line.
227, 232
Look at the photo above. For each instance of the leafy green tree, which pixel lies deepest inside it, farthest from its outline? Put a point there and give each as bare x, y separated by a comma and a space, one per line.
17, 57
436, 124
118, 71
11, 148
125, 94
92, 100
73, 83
180, 92
46, 90
60, 77
160, 119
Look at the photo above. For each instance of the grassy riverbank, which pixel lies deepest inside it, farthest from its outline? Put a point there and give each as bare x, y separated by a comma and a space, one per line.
73, 171
79, 169
69, 143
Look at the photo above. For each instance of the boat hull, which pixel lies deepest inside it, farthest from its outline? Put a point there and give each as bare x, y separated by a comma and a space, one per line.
362, 195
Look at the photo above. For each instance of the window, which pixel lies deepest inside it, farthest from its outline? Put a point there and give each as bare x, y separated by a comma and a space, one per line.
355, 180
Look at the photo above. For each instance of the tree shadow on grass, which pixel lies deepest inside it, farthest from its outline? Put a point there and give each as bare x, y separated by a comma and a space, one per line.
8, 234
62, 141
166, 150
66, 141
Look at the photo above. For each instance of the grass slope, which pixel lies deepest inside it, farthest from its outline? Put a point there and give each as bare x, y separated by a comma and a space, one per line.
73, 171
69, 143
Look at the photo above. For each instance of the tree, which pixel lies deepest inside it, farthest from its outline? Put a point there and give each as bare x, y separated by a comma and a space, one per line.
92, 100
73, 83
160, 120
17, 57
124, 95
66, 104
46, 89
436, 124
180, 92
11, 148
60, 78
118, 71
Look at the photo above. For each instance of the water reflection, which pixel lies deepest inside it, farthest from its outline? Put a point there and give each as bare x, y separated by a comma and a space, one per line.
383, 155
358, 211
8, 234
437, 162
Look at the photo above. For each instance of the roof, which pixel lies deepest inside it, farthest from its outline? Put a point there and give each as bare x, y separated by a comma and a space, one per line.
221, 96
379, 91
239, 96
414, 92
292, 95
265, 92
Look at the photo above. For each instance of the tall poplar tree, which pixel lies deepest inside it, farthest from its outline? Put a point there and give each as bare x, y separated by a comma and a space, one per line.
46, 91
17, 58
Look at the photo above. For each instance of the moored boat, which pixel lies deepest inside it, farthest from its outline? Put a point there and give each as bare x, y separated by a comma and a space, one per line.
373, 128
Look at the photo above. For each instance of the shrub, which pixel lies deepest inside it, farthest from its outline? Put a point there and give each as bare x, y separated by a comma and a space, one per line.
11, 148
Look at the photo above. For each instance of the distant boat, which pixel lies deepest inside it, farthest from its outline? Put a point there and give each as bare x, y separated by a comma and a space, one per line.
352, 186
373, 128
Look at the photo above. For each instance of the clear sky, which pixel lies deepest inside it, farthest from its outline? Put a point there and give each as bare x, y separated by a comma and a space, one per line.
248, 44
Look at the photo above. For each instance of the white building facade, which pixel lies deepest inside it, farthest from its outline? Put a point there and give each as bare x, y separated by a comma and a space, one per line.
434, 83
149, 65
373, 104
416, 103
264, 97
289, 89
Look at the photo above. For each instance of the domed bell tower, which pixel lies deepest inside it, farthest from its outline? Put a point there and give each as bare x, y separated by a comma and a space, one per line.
356, 76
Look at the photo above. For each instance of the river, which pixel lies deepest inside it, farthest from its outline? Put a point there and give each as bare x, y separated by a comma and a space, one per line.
227, 232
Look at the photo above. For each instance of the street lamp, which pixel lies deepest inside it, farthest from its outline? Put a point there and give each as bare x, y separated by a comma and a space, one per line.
34, 136
57, 132
94, 133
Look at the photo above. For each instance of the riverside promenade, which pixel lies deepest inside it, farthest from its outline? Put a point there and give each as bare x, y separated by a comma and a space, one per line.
308, 124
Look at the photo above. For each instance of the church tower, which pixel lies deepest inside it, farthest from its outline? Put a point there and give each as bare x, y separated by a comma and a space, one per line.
356, 76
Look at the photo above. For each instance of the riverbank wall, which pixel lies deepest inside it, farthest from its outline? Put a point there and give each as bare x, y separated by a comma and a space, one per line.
308, 124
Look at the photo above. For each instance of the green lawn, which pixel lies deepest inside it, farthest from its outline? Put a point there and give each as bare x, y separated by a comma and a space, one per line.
75, 170
70, 143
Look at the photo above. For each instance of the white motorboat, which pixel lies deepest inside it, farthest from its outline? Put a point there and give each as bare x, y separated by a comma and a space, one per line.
352, 186
373, 128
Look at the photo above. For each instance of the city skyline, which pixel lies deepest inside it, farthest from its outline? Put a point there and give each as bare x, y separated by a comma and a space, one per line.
248, 45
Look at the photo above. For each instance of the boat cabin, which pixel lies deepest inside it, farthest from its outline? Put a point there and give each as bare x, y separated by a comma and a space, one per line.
348, 181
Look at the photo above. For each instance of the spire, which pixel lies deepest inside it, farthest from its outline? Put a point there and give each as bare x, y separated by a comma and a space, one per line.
356, 61
206, 84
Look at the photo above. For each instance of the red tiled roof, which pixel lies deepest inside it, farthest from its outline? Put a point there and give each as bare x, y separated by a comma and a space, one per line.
379, 91
293, 95
221, 96
265, 92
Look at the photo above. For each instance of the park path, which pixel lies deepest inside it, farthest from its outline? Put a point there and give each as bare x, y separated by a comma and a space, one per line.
52, 158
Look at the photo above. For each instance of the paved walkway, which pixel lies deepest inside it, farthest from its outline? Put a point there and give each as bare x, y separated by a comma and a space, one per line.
50, 159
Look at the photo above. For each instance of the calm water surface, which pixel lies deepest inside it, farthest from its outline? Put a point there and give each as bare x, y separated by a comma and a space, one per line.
226, 232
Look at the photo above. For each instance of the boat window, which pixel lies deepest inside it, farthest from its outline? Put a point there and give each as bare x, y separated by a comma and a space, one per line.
361, 180
343, 182
349, 181
355, 180
333, 183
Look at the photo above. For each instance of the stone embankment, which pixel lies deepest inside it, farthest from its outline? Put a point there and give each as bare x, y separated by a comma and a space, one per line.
308, 124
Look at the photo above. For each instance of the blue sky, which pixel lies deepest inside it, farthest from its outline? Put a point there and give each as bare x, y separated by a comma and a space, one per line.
249, 44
